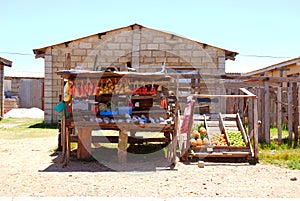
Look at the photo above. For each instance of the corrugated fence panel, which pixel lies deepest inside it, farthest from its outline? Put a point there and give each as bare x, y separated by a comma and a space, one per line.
30, 93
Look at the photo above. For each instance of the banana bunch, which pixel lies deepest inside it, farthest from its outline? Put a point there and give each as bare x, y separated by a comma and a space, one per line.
122, 88
107, 88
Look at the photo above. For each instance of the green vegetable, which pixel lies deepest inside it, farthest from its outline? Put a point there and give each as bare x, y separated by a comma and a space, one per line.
236, 138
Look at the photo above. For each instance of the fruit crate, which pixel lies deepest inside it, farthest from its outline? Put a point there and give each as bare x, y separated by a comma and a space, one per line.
226, 137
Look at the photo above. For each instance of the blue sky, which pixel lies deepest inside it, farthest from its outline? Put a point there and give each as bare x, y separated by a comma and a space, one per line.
256, 27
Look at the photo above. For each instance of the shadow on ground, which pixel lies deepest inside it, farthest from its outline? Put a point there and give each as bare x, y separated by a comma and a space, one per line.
139, 159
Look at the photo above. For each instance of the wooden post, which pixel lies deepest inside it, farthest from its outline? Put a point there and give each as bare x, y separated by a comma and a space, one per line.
63, 136
298, 84
295, 113
290, 112
122, 146
250, 117
175, 133
67, 149
272, 112
259, 113
68, 61
255, 128
84, 143
279, 114
190, 126
267, 112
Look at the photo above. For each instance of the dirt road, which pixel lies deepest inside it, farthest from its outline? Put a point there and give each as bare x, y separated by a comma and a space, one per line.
29, 167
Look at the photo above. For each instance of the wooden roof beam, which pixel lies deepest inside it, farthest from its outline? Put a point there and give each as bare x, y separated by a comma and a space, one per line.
5, 62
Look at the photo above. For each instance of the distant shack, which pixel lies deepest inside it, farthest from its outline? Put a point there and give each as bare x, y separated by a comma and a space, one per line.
24, 90
3, 62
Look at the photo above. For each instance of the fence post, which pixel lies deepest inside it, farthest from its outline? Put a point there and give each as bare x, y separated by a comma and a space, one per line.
259, 117
279, 114
290, 111
295, 113
298, 85
250, 116
267, 112
255, 128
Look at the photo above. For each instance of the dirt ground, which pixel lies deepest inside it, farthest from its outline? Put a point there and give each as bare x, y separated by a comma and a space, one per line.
30, 167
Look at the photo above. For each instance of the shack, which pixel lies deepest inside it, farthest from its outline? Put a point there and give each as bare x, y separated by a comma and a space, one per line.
25, 88
3, 62
139, 48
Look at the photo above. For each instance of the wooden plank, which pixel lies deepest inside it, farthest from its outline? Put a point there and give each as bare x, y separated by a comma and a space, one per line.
68, 61
295, 113
122, 146
241, 106
245, 136
290, 112
232, 116
236, 85
217, 96
175, 133
212, 123
131, 140
230, 123
229, 103
223, 128
279, 114
246, 92
255, 128
84, 143
261, 135
237, 105
267, 113
67, 147
250, 118
63, 137
272, 110
299, 103
222, 154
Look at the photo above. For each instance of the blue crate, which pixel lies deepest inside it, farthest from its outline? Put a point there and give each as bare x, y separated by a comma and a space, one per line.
122, 110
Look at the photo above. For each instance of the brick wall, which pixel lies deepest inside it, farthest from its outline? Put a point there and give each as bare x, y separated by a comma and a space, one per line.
144, 48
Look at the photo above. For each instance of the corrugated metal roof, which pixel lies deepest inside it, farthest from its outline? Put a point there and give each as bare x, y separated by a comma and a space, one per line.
23, 74
274, 66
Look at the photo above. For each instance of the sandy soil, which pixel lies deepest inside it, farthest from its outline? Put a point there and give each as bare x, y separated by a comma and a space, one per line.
30, 167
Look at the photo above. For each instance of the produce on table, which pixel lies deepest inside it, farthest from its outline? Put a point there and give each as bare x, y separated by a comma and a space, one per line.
195, 134
199, 136
193, 142
202, 131
199, 142
218, 139
205, 141
236, 138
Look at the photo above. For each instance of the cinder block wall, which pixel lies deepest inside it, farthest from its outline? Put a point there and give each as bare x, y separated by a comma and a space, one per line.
144, 48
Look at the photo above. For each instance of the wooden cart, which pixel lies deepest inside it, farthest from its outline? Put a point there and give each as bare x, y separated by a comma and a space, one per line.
122, 101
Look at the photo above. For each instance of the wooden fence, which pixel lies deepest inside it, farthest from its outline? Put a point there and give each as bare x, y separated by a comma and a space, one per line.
278, 101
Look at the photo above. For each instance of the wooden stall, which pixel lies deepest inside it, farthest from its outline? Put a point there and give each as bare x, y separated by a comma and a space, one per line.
126, 102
